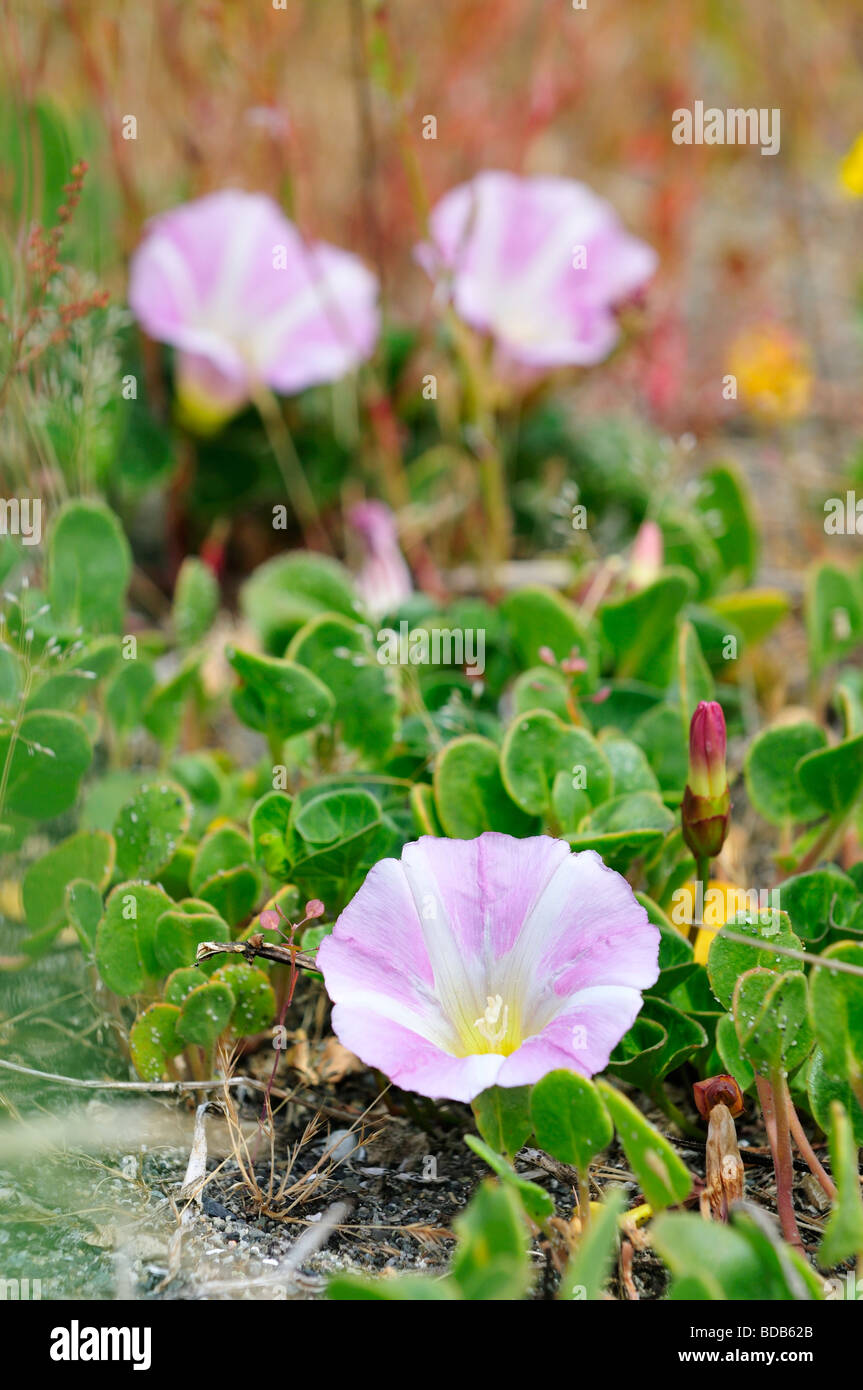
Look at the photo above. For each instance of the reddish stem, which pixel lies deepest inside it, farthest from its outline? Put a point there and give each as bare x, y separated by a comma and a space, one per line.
772, 1097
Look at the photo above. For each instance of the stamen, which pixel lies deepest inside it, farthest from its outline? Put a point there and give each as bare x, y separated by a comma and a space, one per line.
485, 1025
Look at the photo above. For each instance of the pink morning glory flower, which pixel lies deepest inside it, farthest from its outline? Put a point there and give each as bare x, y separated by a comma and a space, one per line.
229, 282
384, 581
487, 962
538, 263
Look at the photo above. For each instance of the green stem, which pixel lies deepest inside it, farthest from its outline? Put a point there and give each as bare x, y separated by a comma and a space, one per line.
584, 1200
300, 495
702, 876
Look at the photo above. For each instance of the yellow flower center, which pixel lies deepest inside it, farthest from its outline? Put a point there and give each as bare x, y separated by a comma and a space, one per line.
496, 1030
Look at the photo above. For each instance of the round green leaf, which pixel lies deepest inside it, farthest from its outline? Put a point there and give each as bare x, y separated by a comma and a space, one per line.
469, 793
570, 1120
149, 828
206, 1013
153, 1040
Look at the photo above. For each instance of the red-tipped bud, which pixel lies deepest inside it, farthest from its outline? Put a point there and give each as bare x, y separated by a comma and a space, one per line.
707, 775
706, 802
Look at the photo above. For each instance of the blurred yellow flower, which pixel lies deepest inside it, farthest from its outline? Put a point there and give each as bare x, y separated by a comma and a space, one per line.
721, 901
772, 372
851, 169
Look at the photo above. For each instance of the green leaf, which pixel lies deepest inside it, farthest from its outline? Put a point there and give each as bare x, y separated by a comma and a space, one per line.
540, 617
268, 823
178, 933
823, 1089
402, 1288
50, 756
743, 1261
502, 1115
833, 777
286, 592
88, 855
663, 1177
255, 1005
278, 698
424, 810
196, 601
165, 706
731, 1055
180, 983
89, 563
538, 746
226, 847
569, 1118
83, 903
772, 1019
728, 960
149, 828
638, 628
834, 615
232, 893
772, 783
754, 614
824, 905
694, 681
659, 732
469, 792
682, 1038
153, 1040
837, 1013
541, 687
535, 1200
625, 828
126, 694
586, 1274
206, 1013
341, 654
491, 1261
843, 1234
630, 770
724, 502
126, 938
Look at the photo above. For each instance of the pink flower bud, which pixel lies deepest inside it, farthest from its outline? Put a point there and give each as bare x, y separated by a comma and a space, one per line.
548, 656
269, 920
706, 808
646, 555
314, 908
707, 775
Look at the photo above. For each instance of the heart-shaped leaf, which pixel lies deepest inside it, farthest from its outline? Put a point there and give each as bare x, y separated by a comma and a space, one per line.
771, 1016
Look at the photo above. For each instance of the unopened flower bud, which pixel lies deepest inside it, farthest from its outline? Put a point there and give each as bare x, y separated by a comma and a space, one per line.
706, 801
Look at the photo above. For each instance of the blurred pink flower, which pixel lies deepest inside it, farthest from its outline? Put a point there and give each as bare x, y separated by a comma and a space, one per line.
384, 581
229, 282
487, 962
538, 263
